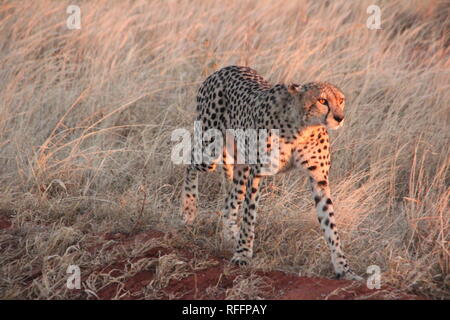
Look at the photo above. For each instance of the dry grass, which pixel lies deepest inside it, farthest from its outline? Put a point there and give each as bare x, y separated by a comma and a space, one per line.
86, 117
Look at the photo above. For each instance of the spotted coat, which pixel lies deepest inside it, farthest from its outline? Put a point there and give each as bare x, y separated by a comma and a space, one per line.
238, 98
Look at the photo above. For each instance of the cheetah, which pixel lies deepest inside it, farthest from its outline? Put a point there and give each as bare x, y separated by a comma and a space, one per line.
237, 97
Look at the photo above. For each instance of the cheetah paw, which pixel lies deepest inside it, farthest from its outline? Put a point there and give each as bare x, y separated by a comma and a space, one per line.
349, 275
240, 260
188, 219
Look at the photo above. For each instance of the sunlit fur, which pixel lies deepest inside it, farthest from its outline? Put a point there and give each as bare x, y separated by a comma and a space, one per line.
238, 97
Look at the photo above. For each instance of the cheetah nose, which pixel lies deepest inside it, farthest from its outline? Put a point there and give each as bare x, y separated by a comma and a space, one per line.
338, 118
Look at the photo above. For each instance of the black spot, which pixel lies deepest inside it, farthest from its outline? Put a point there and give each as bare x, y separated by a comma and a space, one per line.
312, 168
322, 183
329, 201
316, 199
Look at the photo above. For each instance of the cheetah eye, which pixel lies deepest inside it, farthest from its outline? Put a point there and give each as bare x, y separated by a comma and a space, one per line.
341, 100
323, 101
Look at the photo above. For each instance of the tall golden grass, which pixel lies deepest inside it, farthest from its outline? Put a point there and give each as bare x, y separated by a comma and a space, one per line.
86, 118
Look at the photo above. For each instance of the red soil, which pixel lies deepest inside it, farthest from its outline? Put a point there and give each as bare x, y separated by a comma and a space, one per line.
213, 282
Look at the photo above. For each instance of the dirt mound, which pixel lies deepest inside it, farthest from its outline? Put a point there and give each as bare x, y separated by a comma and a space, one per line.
174, 273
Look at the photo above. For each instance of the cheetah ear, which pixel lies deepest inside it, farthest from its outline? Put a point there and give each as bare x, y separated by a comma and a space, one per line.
306, 96
293, 88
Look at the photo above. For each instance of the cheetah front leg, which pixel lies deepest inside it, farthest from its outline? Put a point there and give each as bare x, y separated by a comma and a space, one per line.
244, 248
316, 162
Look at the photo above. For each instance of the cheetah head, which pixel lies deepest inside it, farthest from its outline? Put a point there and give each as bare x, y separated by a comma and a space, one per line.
320, 103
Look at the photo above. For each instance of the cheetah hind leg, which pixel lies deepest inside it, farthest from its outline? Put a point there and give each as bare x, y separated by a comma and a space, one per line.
189, 195
190, 190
